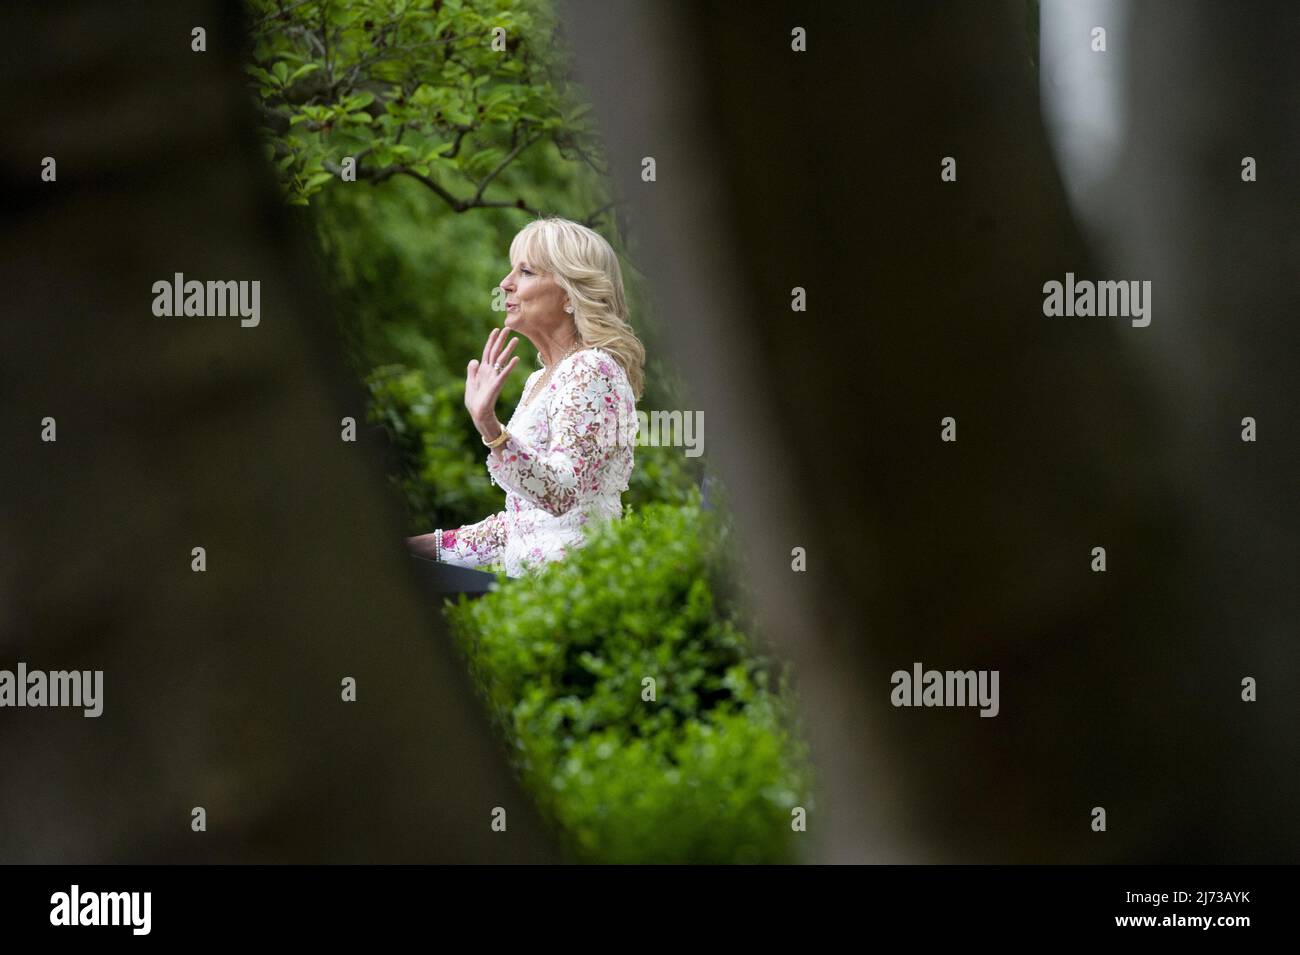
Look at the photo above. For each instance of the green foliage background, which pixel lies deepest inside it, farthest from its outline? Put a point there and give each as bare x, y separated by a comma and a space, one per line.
464, 123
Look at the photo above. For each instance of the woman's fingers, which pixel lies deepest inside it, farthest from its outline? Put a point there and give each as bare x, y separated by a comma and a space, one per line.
495, 346
501, 355
498, 351
494, 353
494, 390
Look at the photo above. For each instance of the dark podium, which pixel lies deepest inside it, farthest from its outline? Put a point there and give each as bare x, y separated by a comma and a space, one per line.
447, 579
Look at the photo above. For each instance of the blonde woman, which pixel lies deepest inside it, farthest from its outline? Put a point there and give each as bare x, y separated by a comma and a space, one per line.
565, 455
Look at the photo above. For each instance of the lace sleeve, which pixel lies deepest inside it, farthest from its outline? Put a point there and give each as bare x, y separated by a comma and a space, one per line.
474, 544
583, 421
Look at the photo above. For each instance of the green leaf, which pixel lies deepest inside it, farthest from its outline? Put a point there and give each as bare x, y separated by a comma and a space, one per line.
259, 73
358, 101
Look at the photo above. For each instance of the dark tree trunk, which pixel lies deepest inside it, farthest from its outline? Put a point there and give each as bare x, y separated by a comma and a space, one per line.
821, 170
222, 689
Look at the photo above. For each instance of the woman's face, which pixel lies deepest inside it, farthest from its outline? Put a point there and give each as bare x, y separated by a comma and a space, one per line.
534, 302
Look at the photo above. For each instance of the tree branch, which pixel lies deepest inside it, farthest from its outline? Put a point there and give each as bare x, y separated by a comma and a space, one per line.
457, 205
377, 176
593, 217
279, 13
455, 149
582, 154
502, 165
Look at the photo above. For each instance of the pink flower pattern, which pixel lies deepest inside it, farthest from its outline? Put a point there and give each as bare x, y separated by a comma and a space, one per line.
563, 469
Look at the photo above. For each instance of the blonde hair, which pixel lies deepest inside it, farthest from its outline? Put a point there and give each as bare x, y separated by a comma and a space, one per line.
585, 265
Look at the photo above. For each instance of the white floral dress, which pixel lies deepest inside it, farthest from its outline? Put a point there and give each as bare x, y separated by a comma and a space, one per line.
565, 466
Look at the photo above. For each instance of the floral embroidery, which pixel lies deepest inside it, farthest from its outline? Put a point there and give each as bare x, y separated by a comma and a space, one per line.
475, 544
563, 468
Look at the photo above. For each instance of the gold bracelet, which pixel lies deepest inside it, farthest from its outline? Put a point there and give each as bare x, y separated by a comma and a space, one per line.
498, 440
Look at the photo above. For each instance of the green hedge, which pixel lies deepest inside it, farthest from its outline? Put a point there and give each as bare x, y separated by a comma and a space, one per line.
710, 770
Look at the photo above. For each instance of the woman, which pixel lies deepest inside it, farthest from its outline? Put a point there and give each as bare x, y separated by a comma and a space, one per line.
564, 456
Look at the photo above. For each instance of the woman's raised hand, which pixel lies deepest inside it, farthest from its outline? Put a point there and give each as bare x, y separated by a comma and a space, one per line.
483, 381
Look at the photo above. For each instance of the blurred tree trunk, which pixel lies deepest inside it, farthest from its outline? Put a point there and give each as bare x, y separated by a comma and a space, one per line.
221, 689
820, 170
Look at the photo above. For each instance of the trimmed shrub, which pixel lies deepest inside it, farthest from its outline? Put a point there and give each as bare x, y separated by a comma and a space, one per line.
706, 772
